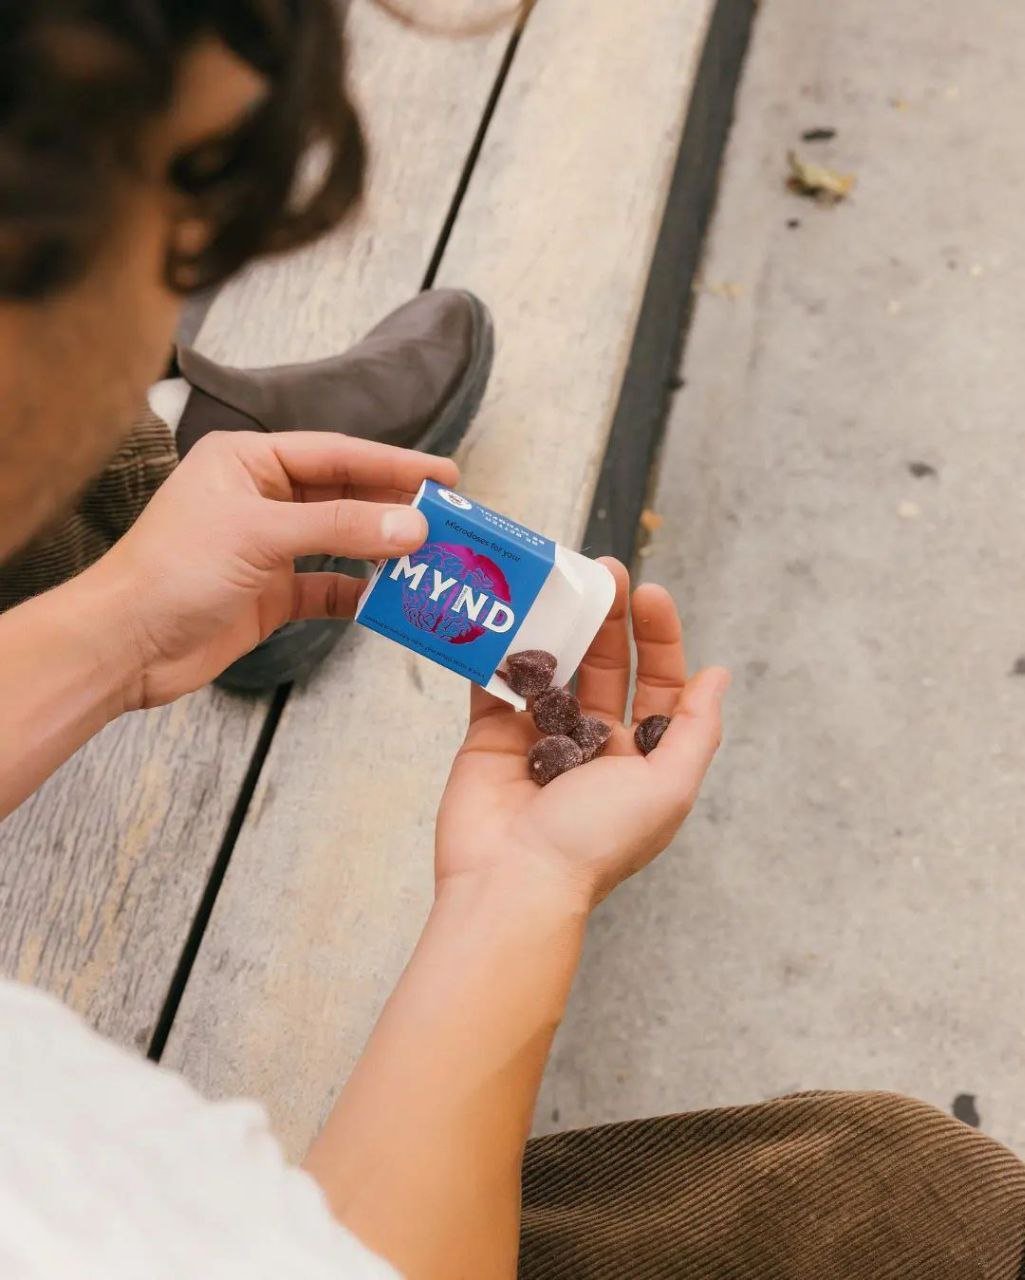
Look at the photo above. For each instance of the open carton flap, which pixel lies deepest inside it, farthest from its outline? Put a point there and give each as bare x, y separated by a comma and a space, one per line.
564, 618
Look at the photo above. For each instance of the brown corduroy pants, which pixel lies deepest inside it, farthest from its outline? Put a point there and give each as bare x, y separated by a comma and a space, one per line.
823, 1186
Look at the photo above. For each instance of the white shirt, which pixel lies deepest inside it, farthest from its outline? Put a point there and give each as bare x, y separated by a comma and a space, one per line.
114, 1169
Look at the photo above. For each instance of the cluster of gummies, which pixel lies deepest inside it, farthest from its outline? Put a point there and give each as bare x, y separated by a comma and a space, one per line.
570, 737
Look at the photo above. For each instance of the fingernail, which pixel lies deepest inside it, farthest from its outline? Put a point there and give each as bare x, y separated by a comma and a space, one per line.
403, 527
722, 684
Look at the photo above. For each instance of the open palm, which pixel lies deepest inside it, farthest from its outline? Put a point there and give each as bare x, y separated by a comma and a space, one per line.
603, 821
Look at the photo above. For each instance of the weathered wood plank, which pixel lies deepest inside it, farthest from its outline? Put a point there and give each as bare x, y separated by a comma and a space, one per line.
422, 101
331, 877
101, 872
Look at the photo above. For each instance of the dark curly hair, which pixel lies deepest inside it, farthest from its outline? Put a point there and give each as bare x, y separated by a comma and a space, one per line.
80, 79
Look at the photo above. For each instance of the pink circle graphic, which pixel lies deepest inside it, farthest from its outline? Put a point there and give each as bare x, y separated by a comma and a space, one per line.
469, 569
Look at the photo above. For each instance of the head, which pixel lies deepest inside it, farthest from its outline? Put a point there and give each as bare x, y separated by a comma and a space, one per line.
148, 148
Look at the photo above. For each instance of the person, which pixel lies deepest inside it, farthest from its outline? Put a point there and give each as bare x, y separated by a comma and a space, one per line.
149, 146
417, 378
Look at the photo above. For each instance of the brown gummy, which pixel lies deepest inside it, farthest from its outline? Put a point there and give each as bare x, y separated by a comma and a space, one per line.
552, 756
529, 672
592, 736
556, 711
648, 733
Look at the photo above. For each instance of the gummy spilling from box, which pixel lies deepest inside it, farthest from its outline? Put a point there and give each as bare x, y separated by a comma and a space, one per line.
483, 586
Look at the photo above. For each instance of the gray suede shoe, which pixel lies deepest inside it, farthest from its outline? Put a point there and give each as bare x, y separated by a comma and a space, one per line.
416, 380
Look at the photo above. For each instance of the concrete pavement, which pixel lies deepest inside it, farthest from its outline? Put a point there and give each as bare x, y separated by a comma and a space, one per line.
845, 527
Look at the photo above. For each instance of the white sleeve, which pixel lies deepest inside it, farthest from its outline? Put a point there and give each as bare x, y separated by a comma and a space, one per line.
114, 1169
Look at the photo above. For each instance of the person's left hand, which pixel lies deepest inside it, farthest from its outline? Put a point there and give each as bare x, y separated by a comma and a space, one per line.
599, 823
206, 572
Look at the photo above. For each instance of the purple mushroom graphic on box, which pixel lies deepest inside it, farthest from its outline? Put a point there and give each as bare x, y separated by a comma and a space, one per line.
469, 583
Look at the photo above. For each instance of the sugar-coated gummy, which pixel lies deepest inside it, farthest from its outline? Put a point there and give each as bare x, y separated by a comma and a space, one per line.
529, 672
648, 733
556, 711
592, 736
551, 756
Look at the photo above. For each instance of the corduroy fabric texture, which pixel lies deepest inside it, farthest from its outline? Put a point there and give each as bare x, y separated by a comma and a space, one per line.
105, 511
825, 1186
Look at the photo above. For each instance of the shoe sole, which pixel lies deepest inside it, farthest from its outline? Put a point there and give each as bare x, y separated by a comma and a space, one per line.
294, 651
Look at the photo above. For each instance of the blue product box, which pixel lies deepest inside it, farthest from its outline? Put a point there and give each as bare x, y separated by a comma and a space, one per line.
463, 597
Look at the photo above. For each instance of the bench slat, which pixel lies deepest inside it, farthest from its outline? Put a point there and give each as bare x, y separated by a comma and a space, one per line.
102, 868
422, 100
331, 877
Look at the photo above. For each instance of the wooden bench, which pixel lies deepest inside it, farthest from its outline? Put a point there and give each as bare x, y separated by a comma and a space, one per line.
234, 884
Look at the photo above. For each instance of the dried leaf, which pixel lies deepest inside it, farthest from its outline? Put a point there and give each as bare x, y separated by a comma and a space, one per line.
815, 180
650, 520
729, 289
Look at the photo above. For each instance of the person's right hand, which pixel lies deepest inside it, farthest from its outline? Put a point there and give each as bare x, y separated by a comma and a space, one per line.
599, 823
206, 572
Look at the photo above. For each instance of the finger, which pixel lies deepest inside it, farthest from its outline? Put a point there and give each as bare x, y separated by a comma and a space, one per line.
661, 666
326, 595
360, 530
327, 458
604, 677
689, 745
499, 736
324, 458
363, 493
483, 704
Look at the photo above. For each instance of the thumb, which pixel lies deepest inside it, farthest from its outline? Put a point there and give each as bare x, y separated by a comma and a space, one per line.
689, 745
358, 530
703, 693
325, 595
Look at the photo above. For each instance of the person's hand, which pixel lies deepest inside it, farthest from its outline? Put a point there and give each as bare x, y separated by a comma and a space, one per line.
206, 572
596, 825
